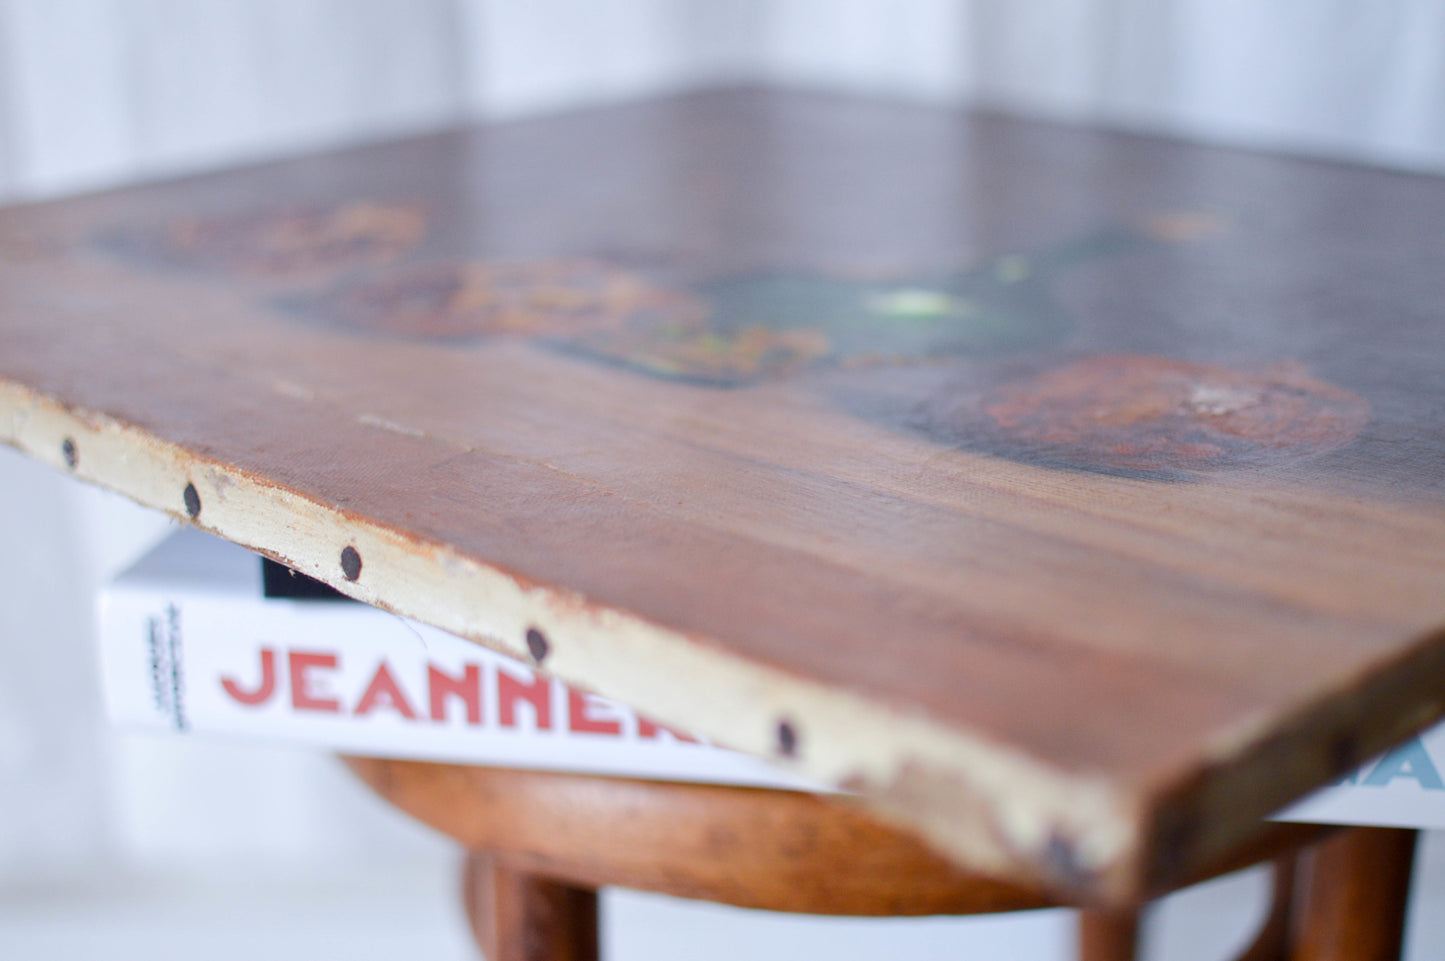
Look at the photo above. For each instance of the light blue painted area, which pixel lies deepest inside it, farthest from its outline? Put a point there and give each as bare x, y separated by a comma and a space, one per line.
1409, 760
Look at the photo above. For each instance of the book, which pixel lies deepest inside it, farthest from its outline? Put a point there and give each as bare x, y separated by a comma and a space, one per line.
190, 644
1401, 788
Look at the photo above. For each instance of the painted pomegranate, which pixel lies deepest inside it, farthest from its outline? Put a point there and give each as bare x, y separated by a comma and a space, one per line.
1150, 415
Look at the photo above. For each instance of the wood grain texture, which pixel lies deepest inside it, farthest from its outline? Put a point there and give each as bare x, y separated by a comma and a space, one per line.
748, 847
1108, 936
516, 916
729, 397
1353, 907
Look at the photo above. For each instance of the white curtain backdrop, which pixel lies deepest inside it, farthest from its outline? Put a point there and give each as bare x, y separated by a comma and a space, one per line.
98, 92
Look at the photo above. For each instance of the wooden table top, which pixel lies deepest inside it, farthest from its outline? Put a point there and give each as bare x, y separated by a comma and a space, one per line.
1076, 498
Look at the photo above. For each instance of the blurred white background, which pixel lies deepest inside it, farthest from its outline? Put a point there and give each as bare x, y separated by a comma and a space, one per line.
113, 845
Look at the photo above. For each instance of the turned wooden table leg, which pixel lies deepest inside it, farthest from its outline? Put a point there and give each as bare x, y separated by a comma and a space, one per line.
1108, 936
1272, 943
1356, 889
517, 916
1114, 936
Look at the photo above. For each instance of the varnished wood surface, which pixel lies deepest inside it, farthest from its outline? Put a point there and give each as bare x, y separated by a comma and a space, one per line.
1105, 936
1353, 908
1076, 498
516, 916
541, 843
748, 847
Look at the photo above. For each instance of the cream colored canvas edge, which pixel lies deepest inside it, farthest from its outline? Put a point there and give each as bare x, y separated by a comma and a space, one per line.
989, 807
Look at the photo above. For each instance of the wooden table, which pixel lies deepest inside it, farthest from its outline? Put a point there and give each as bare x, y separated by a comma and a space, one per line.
1074, 498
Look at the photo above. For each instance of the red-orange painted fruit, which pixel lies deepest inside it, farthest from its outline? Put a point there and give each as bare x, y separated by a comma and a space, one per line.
1152, 414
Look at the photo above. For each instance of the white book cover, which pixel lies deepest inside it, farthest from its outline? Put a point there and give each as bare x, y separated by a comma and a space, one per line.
190, 644
1401, 788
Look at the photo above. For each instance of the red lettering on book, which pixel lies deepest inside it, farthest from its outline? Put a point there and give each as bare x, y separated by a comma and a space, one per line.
383, 691
646, 728
468, 687
538, 694
263, 692
579, 715
304, 697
